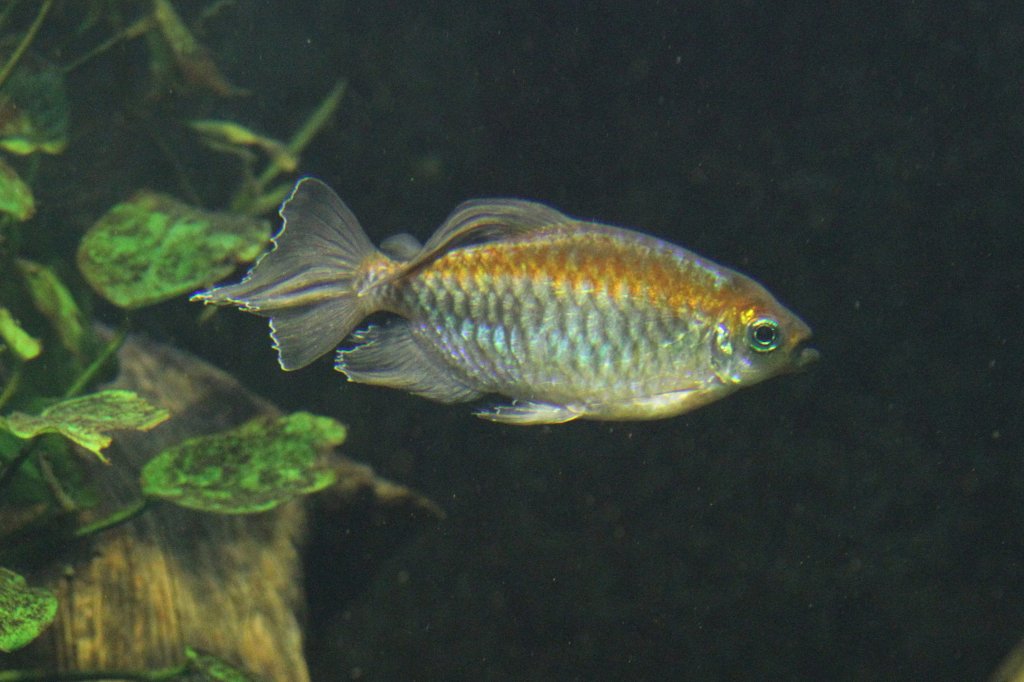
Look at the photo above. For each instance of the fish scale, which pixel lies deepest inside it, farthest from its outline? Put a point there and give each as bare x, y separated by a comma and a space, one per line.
566, 318
583, 339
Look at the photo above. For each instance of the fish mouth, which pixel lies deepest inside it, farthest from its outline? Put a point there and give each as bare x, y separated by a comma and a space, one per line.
804, 357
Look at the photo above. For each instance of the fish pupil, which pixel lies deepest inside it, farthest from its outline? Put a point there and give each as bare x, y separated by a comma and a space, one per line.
764, 335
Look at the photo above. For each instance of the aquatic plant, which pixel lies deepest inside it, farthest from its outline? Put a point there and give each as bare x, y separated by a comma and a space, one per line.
148, 248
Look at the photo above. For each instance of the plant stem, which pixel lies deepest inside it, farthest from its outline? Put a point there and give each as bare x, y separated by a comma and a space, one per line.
7, 474
30, 35
116, 519
11, 468
89, 373
58, 493
246, 199
134, 31
318, 119
45, 541
12, 384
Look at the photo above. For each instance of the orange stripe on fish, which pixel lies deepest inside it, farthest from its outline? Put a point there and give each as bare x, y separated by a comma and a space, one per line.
567, 318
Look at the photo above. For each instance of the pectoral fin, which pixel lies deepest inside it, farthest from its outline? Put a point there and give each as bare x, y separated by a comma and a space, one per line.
526, 413
657, 406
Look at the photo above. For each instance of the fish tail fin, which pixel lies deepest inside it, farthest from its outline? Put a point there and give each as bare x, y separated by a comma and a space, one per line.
308, 283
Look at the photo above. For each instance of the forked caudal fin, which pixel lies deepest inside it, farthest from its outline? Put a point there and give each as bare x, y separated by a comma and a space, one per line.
306, 283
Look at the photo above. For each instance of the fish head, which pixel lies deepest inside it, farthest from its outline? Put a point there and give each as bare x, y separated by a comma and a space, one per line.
757, 337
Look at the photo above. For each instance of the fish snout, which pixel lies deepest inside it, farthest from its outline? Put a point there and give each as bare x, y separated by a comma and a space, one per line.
803, 357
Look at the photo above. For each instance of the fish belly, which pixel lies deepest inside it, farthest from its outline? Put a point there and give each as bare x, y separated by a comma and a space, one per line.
551, 336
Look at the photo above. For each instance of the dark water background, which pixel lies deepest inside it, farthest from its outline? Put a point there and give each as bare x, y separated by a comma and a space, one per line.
864, 520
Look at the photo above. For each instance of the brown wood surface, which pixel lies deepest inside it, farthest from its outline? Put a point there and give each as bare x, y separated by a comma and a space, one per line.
136, 595
171, 578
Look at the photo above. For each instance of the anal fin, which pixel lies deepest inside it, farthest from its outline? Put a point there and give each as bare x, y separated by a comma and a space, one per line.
389, 356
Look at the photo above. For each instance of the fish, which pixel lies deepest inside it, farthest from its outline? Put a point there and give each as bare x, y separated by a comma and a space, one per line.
565, 318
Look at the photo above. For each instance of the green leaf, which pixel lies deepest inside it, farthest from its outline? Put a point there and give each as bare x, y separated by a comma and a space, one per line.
34, 110
21, 343
204, 667
86, 420
32, 488
24, 611
152, 248
16, 198
193, 60
252, 468
52, 298
232, 135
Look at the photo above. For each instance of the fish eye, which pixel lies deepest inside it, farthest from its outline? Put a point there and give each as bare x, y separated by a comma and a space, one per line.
763, 335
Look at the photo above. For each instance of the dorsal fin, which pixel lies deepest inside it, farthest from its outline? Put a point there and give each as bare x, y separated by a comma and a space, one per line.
401, 246
483, 220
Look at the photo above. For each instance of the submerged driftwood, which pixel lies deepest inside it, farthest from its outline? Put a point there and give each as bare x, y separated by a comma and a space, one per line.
173, 578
